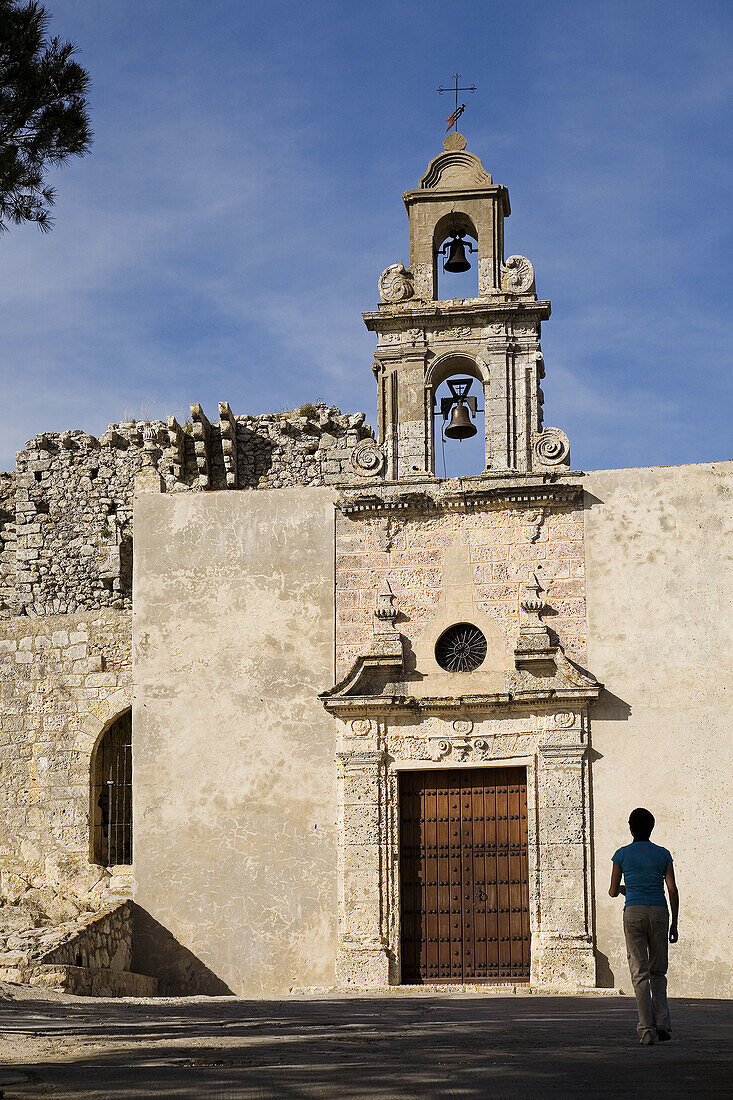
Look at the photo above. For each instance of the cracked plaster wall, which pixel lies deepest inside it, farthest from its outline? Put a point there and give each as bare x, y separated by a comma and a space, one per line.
235, 770
659, 591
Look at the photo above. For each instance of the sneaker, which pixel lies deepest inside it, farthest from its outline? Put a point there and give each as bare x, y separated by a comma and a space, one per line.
647, 1039
663, 1035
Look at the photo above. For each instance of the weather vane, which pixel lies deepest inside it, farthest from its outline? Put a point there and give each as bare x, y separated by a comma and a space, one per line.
452, 120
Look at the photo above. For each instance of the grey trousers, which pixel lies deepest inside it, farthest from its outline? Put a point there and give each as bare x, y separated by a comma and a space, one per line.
646, 929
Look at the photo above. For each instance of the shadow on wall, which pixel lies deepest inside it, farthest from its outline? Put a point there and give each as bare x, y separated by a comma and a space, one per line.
604, 975
156, 952
609, 708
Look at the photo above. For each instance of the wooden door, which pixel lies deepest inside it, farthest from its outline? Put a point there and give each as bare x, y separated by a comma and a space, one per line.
464, 875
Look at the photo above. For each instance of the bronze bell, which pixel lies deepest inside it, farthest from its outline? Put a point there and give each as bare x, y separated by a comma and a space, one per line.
456, 256
461, 426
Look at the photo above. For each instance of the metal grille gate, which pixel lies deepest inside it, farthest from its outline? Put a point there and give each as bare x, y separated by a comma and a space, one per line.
464, 875
112, 798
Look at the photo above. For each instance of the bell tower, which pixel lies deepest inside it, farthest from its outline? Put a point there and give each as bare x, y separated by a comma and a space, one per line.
492, 339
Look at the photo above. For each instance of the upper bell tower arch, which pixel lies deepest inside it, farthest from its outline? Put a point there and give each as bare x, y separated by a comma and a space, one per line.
497, 330
456, 193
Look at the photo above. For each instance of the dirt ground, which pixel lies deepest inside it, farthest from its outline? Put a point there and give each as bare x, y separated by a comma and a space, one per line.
350, 1047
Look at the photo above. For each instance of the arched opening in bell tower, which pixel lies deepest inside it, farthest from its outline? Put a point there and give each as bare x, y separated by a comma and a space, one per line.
459, 432
455, 248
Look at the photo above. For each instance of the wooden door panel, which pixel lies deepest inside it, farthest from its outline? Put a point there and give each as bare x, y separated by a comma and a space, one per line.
464, 875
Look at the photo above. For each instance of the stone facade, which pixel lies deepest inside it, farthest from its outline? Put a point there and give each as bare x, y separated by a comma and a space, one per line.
446, 564
526, 705
292, 577
502, 552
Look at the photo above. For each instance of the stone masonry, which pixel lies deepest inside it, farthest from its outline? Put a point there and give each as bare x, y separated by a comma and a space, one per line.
62, 678
90, 956
428, 559
66, 549
66, 516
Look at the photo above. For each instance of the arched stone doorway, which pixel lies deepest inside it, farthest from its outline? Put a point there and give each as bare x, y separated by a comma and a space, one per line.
111, 794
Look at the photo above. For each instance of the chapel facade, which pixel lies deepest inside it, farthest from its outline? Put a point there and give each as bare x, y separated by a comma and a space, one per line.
283, 708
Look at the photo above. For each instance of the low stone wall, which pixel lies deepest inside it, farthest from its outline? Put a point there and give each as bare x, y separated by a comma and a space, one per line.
90, 956
93, 983
100, 941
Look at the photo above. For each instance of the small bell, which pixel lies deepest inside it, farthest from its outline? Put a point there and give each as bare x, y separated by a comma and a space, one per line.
460, 426
457, 255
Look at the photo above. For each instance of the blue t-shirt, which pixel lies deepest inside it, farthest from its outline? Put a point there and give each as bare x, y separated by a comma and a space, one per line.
643, 865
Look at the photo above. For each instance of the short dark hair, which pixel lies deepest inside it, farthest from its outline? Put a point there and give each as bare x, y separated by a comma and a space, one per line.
641, 823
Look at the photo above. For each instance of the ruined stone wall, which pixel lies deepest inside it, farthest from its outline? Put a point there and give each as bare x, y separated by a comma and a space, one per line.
66, 517
455, 566
7, 544
63, 679
66, 560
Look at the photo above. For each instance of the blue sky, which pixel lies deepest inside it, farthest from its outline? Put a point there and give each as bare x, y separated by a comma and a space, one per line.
244, 193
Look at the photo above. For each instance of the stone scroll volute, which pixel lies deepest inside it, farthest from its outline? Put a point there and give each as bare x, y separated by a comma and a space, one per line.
395, 284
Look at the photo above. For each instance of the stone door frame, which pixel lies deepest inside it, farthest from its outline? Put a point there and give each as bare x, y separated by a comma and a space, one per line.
552, 745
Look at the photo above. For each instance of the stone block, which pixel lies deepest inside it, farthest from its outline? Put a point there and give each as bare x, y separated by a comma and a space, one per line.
563, 965
362, 824
362, 967
361, 790
562, 856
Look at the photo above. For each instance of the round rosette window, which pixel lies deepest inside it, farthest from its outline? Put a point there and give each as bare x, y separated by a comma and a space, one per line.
461, 648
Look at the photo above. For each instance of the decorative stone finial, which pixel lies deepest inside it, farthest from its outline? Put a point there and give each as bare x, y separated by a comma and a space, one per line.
454, 142
532, 602
385, 612
532, 631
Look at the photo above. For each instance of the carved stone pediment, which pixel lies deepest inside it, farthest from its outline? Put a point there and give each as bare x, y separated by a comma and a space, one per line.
455, 169
542, 673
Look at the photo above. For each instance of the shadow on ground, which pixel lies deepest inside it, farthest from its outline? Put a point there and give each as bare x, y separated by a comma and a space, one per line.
348, 1047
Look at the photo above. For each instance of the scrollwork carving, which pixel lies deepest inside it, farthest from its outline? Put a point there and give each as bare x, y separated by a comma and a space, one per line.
552, 448
395, 284
360, 727
517, 275
367, 458
438, 747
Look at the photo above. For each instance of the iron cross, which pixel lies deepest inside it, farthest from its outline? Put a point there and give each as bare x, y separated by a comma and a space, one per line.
452, 120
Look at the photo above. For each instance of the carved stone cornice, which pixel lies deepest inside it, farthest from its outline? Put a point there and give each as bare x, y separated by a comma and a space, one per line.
453, 311
461, 497
562, 754
391, 704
